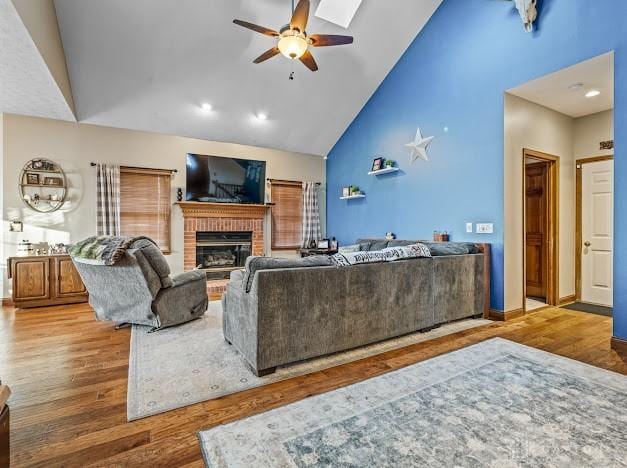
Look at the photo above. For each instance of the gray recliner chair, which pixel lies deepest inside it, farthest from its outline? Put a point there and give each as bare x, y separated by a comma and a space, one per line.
138, 289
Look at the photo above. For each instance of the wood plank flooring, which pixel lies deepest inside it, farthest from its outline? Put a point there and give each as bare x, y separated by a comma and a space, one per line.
68, 374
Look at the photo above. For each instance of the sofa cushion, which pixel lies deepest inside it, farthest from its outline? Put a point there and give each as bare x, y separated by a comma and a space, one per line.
369, 245
439, 249
254, 264
349, 248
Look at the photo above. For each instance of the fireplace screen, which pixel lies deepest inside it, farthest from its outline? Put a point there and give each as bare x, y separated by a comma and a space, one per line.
219, 253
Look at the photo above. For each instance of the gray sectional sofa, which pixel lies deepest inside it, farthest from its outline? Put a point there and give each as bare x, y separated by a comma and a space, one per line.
293, 314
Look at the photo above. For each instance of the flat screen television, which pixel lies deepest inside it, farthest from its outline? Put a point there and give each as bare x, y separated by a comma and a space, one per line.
225, 180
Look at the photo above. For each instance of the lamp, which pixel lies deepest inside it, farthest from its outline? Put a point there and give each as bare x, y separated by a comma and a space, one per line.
293, 45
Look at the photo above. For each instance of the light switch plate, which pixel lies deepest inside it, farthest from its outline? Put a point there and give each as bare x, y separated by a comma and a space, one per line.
468, 227
485, 228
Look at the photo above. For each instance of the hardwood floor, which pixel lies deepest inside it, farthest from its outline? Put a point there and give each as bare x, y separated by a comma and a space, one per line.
68, 374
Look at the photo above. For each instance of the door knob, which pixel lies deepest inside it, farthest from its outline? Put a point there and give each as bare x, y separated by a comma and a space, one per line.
587, 243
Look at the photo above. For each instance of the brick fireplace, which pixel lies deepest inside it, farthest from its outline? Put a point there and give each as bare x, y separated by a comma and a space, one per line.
201, 217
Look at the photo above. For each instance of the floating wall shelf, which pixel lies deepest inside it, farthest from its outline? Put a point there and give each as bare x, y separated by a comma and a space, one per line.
386, 170
351, 197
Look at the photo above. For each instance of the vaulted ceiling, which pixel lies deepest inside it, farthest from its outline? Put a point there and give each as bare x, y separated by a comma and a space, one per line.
150, 64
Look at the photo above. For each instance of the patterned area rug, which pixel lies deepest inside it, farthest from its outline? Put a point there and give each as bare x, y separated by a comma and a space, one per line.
494, 404
184, 365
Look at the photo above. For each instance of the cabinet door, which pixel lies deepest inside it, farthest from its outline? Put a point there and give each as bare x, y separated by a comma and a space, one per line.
68, 281
30, 279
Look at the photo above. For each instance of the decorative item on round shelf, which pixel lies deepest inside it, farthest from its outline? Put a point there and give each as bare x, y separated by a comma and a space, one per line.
43, 185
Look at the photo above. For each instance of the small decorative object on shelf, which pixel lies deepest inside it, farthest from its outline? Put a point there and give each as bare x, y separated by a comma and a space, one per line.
441, 236
56, 181
179, 194
389, 163
334, 244
377, 164
32, 179
43, 186
390, 236
16, 226
323, 244
346, 191
355, 190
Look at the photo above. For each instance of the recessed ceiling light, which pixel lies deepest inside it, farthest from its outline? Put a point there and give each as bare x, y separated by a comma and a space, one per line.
206, 107
593, 93
575, 87
261, 116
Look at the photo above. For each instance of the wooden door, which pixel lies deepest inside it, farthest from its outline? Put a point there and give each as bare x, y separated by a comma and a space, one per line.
30, 279
68, 282
597, 232
536, 228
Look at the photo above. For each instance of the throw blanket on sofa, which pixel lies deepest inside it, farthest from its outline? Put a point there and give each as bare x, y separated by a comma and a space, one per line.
103, 250
388, 254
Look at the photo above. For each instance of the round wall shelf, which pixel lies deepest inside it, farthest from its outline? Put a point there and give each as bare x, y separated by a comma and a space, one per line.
43, 186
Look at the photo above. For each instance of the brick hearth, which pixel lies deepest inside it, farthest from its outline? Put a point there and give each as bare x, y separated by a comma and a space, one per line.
223, 217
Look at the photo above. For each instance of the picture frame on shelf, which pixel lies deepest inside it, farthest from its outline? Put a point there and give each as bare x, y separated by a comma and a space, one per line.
32, 179
53, 181
377, 164
323, 244
346, 191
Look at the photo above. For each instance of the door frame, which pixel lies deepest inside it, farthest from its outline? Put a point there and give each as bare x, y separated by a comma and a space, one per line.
579, 215
552, 298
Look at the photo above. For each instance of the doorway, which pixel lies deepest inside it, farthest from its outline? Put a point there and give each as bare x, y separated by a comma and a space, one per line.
595, 231
541, 229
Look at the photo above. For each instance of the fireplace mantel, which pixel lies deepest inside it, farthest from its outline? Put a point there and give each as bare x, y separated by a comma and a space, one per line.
222, 210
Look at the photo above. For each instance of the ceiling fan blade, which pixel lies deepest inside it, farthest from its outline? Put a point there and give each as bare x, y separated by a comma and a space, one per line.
324, 40
300, 16
257, 28
267, 55
309, 61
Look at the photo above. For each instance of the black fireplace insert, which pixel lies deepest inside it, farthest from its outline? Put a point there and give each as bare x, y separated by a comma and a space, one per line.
219, 253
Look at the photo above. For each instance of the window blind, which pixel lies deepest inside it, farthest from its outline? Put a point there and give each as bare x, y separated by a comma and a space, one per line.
286, 214
145, 204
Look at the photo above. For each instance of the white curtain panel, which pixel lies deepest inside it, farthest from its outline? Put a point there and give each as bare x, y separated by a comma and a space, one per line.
311, 214
108, 199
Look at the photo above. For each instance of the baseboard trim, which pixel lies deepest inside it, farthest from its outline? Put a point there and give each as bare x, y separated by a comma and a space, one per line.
7, 302
568, 300
619, 345
501, 316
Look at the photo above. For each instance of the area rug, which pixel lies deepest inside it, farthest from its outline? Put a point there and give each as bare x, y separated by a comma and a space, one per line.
494, 404
191, 363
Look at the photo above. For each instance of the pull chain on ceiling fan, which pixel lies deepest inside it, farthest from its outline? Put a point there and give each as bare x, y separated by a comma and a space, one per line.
293, 41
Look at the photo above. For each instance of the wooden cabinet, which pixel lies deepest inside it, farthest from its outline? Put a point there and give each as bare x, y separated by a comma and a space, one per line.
45, 280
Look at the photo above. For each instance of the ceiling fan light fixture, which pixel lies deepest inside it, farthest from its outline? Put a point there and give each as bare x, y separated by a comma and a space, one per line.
293, 45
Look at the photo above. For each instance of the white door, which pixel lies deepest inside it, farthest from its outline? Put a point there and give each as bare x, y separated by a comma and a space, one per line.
597, 232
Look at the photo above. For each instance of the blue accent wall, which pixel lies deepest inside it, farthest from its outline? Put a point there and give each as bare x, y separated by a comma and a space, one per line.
453, 76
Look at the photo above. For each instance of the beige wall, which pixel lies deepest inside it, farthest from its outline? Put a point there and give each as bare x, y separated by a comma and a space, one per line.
74, 146
592, 130
40, 18
529, 125
3, 225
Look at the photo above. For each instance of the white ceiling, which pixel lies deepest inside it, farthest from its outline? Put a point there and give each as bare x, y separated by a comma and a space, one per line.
26, 84
150, 64
553, 91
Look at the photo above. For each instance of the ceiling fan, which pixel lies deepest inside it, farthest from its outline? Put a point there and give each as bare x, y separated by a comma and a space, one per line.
293, 41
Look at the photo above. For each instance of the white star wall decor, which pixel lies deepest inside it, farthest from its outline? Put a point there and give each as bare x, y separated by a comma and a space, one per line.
419, 146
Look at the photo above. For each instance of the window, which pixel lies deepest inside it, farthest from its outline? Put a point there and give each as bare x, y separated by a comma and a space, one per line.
145, 204
287, 215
